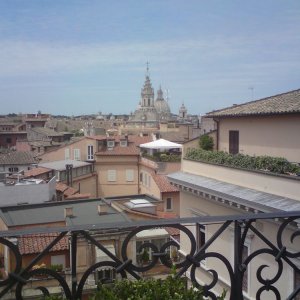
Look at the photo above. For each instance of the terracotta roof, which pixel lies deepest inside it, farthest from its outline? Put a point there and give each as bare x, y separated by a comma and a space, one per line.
46, 131
279, 104
67, 190
136, 139
44, 143
166, 215
172, 231
176, 137
131, 149
17, 158
70, 191
139, 139
61, 187
36, 243
36, 172
163, 183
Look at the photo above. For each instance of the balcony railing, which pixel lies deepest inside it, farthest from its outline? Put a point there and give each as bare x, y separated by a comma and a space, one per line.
20, 278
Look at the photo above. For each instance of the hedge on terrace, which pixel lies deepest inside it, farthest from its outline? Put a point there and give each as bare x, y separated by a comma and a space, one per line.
277, 165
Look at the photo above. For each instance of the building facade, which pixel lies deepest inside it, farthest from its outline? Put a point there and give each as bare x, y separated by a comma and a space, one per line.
208, 189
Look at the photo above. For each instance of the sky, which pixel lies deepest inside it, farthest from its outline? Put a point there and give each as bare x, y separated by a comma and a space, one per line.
76, 57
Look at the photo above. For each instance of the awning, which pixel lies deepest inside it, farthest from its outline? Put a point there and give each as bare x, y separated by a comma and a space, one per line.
161, 144
152, 233
101, 256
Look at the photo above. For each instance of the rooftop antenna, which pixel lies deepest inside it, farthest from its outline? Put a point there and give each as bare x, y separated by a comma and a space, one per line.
252, 91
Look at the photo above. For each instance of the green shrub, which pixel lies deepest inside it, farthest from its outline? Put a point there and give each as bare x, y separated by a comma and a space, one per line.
145, 256
206, 142
276, 165
148, 289
56, 267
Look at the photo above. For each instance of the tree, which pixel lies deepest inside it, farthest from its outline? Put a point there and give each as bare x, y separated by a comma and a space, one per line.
206, 142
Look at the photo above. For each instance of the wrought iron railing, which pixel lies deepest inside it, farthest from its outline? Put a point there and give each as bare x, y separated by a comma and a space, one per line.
17, 280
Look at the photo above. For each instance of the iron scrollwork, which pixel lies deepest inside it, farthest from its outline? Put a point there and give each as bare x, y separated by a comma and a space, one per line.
126, 266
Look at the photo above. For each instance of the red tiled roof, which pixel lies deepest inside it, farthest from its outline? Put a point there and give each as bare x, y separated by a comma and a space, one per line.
36, 171
166, 215
131, 149
36, 243
17, 158
173, 231
163, 183
136, 139
97, 137
67, 190
70, 191
284, 103
61, 187
139, 139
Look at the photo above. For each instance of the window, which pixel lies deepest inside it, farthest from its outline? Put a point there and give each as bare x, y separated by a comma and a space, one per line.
233, 141
123, 143
13, 169
111, 175
141, 177
106, 275
157, 242
76, 154
67, 153
90, 152
110, 144
79, 171
8, 140
169, 203
58, 260
129, 175
62, 175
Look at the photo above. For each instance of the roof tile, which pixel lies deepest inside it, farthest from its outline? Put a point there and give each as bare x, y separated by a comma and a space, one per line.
17, 158
279, 104
36, 172
36, 243
163, 183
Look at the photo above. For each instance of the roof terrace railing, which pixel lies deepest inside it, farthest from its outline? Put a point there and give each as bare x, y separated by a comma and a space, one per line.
14, 285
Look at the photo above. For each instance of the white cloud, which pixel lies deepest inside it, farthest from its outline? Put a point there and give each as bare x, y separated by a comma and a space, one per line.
27, 57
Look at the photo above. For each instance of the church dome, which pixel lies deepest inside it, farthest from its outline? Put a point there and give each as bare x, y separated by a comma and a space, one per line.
161, 104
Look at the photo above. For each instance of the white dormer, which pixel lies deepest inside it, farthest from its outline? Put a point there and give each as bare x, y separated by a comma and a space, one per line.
110, 144
123, 143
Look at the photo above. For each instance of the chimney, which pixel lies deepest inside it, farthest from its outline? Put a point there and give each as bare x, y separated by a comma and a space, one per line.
68, 212
102, 209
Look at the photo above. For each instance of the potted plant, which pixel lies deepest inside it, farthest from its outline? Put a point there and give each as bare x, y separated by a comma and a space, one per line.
145, 256
174, 254
56, 267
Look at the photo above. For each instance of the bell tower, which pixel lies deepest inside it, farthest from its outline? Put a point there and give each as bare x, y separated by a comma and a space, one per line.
147, 93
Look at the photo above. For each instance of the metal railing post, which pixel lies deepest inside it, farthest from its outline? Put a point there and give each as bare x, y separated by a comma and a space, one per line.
237, 288
74, 265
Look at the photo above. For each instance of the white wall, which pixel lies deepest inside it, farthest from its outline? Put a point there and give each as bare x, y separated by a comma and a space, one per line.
32, 193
